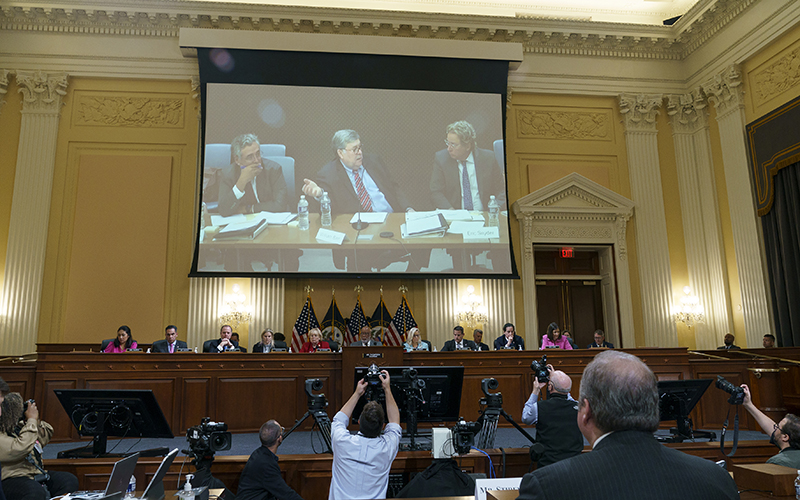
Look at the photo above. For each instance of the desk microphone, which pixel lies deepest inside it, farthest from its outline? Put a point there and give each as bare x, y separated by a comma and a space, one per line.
360, 225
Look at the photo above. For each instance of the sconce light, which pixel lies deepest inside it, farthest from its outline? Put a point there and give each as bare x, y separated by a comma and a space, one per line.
690, 311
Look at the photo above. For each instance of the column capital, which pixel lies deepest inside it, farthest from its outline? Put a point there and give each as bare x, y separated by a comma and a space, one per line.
3, 87
639, 111
688, 113
42, 92
725, 90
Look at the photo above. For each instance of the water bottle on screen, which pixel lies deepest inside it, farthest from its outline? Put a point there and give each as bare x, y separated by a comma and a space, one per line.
797, 486
325, 207
494, 212
302, 213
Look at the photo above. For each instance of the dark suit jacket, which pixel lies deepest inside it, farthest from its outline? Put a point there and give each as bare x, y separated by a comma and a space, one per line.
372, 343
630, 465
500, 342
333, 179
257, 348
483, 347
450, 345
212, 345
162, 346
270, 184
729, 348
594, 344
446, 183
261, 478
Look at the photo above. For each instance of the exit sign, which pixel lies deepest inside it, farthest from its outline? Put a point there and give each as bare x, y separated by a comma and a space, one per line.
566, 252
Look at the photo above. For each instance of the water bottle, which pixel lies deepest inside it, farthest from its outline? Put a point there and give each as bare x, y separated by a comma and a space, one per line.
302, 213
494, 212
131, 491
325, 206
797, 486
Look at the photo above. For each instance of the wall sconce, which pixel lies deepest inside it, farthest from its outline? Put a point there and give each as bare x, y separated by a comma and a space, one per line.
472, 311
234, 311
690, 312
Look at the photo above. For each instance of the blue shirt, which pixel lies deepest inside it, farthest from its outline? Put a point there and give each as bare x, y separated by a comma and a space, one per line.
530, 413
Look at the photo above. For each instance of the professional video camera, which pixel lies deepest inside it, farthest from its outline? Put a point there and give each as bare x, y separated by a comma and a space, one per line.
411, 386
316, 402
208, 438
540, 368
464, 435
737, 393
492, 408
374, 381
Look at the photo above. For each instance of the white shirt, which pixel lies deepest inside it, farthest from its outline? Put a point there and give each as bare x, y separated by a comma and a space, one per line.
473, 183
238, 194
360, 464
379, 203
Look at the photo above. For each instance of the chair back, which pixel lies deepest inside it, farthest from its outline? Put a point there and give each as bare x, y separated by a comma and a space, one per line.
105, 343
499, 152
287, 166
273, 150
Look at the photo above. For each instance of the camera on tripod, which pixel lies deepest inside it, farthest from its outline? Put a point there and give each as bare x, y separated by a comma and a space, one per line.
208, 438
316, 402
540, 369
737, 393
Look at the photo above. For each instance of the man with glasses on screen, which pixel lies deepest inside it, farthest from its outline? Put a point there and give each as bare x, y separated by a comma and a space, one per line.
253, 184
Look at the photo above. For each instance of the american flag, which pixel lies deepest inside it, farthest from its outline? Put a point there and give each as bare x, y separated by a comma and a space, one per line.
381, 319
356, 320
305, 322
402, 322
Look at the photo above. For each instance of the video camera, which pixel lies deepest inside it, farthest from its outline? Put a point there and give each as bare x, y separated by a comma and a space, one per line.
540, 368
374, 383
737, 393
208, 438
463, 434
316, 402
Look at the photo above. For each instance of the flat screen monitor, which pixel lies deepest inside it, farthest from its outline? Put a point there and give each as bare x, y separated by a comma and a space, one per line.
677, 398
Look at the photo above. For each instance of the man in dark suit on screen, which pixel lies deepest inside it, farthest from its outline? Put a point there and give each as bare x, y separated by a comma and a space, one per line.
170, 342
618, 413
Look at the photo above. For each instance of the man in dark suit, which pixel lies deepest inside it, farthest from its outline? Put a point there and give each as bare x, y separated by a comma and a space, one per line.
477, 336
600, 341
235, 338
618, 413
261, 477
729, 345
464, 176
170, 342
509, 339
459, 343
223, 343
365, 338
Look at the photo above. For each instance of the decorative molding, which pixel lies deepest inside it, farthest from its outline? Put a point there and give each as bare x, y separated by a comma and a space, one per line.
777, 78
41, 92
577, 125
639, 112
3, 87
725, 90
117, 111
572, 232
688, 112
574, 192
622, 228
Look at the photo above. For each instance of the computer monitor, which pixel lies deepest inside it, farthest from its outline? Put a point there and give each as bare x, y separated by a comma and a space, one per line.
677, 398
155, 490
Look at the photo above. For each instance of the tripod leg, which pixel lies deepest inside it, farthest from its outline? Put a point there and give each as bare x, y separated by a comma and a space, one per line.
488, 432
324, 424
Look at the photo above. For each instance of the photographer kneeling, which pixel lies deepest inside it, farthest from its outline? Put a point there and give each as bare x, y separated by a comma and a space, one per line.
556, 418
21, 441
785, 435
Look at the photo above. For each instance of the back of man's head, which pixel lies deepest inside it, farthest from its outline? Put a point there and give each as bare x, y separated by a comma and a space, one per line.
792, 429
622, 393
561, 382
372, 419
269, 433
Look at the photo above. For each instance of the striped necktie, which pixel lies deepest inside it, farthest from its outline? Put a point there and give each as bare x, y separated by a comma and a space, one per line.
363, 196
467, 195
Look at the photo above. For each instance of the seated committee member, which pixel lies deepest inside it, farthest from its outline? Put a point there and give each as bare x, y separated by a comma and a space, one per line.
600, 341
464, 176
459, 343
22, 437
415, 342
729, 345
568, 336
556, 419
261, 477
785, 434
365, 338
509, 339
268, 343
618, 413
314, 341
170, 342
123, 342
553, 338
251, 184
361, 462
356, 182
768, 340
477, 337
223, 343
235, 338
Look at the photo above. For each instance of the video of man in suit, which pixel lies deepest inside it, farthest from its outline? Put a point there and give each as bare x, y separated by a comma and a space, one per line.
327, 181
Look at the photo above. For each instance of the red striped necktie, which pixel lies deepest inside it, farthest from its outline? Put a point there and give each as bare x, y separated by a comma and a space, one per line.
363, 196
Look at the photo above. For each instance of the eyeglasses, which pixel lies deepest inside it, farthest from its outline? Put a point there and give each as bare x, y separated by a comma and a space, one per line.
451, 144
252, 158
356, 149
776, 427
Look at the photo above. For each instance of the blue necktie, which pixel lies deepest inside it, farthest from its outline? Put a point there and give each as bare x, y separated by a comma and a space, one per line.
467, 194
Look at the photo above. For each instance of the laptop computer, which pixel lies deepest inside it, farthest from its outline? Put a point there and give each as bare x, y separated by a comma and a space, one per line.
117, 483
155, 490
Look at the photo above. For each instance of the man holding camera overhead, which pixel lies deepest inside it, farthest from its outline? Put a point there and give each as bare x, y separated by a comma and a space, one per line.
556, 417
785, 435
361, 462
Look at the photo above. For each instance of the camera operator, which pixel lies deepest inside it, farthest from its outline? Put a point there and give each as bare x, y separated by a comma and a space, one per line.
261, 477
21, 443
361, 462
556, 418
785, 435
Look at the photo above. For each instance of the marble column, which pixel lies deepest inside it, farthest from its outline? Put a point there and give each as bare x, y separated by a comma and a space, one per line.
639, 114
442, 305
205, 299
726, 92
267, 300
43, 94
705, 254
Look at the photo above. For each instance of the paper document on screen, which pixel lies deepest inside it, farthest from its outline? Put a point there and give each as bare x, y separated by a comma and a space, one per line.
451, 215
328, 236
460, 226
371, 217
276, 218
218, 220
241, 226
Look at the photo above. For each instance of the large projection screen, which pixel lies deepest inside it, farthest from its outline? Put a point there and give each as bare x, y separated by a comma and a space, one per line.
411, 174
